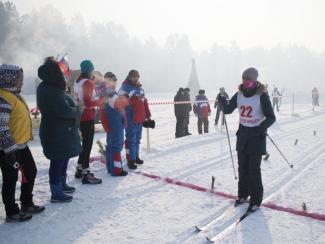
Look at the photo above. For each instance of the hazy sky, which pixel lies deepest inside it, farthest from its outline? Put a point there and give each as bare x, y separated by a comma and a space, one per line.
248, 22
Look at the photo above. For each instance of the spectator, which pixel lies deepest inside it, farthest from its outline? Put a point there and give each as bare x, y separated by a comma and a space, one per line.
180, 113
86, 98
114, 124
15, 133
188, 109
218, 106
59, 127
137, 112
202, 110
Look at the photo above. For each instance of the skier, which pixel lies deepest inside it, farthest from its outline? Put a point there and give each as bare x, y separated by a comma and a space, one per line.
85, 96
315, 96
256, 116
222, 92
59, 129
114, 124
179, 113
202, 110
15, 133
188, 109
276, 98
136, 113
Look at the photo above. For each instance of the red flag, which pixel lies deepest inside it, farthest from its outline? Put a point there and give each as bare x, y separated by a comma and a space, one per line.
64, 65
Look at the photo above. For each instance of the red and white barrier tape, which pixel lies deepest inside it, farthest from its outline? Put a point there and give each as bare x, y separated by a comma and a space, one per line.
179, 102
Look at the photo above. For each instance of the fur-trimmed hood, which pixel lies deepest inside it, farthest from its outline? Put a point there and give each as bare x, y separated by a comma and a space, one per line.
259, 89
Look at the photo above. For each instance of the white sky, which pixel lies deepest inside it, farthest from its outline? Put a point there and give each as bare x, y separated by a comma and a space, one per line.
248, 22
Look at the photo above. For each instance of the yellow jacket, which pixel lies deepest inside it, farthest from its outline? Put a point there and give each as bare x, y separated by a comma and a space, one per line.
20, 125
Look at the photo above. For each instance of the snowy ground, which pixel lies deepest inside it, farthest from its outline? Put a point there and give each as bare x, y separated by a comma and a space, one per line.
137, 209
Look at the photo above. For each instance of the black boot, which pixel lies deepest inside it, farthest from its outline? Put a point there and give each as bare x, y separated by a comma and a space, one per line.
32, 209
132, 164
19, 217
90, 179
78, 174
139, 161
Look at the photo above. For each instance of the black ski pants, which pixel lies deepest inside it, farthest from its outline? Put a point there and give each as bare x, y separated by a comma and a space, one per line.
87, 129
10, 177
250, 178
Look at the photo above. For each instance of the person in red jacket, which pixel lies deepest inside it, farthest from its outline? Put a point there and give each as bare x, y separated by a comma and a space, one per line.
85, 96
137, 113
202, 111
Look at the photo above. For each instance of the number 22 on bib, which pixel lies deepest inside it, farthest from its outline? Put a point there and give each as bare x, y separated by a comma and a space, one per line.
250, 110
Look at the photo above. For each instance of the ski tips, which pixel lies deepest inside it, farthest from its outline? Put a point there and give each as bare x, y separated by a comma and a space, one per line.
197, 228
210, 240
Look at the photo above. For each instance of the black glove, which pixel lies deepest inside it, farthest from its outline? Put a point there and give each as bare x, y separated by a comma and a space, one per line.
11, 159
149, 124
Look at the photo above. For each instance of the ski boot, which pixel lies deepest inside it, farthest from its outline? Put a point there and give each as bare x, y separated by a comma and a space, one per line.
252, 208
239, 201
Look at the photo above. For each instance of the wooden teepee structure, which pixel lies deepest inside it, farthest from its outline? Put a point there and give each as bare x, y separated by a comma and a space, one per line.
193, 82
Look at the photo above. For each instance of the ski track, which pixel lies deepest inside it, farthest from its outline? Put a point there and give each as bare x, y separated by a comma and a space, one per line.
140, 210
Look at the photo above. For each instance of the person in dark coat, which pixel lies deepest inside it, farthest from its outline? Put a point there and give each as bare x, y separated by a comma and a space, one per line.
59, 129
188, 109
218, 106
202, 111
179, 113
256, 116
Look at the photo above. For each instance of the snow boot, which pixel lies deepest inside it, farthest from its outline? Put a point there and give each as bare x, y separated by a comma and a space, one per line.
65, 187
132, 164
18, 217
78, 173
32, 209
139, 161
58, 195
90, 179
239, 201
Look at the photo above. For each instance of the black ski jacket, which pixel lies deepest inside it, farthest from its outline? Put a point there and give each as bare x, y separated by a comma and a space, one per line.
252, 140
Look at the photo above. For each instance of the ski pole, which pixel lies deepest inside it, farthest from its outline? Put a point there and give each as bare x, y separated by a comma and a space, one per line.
276, 146
232, 158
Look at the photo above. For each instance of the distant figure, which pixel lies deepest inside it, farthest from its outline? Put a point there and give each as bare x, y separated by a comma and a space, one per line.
315, 96
179, 113
218, 106
188, 109
202, 110
276, 98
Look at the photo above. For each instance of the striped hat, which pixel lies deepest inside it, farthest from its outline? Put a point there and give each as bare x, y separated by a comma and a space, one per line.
9, 75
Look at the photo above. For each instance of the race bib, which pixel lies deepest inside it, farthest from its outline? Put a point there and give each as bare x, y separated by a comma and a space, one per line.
250, 110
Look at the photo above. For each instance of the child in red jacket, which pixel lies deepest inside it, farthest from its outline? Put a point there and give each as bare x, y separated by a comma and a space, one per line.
202, 110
